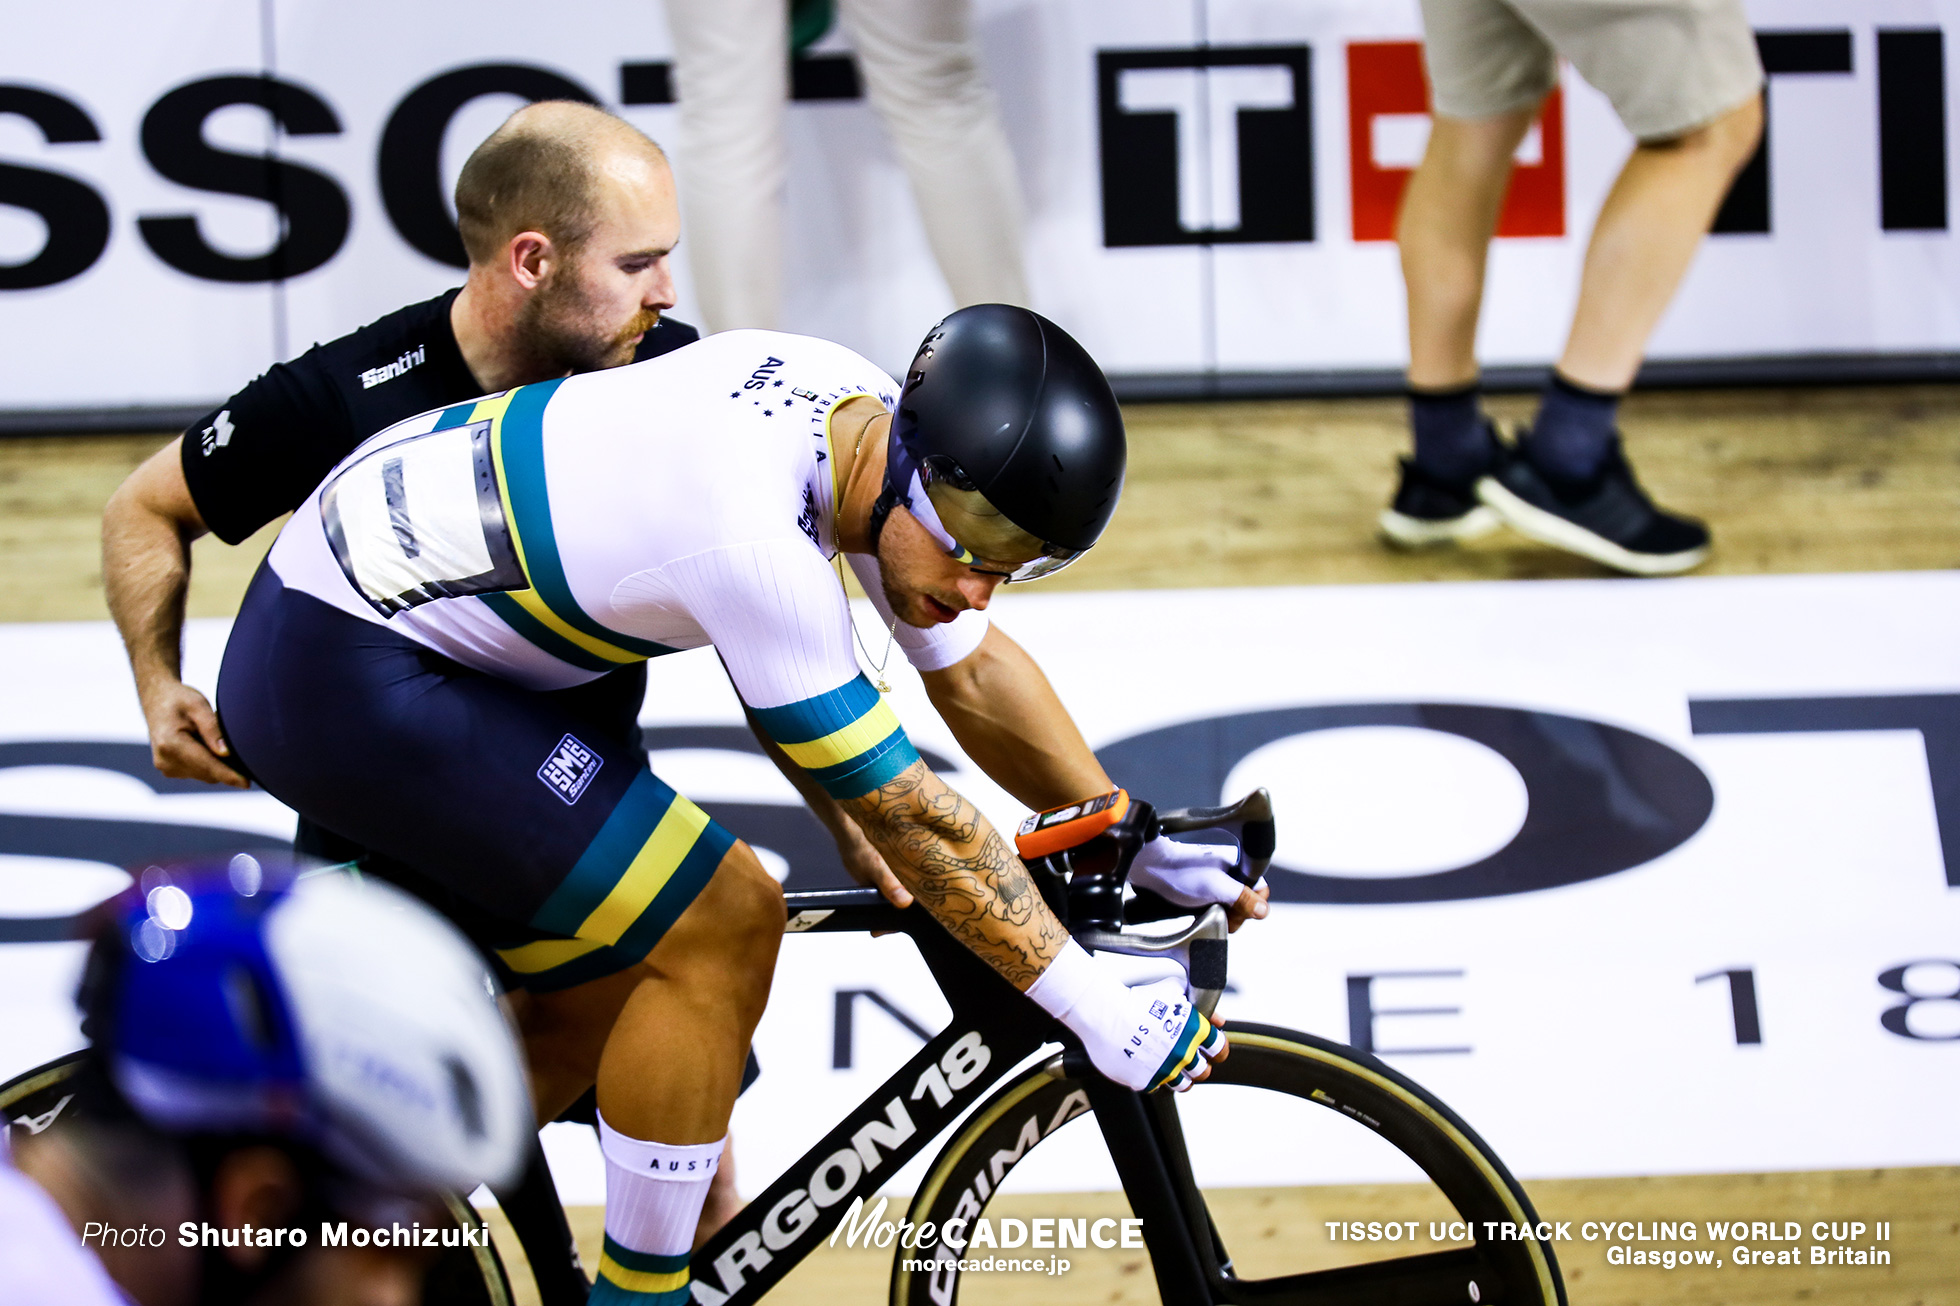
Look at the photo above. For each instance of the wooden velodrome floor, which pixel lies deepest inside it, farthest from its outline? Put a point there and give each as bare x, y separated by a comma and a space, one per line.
1285, 492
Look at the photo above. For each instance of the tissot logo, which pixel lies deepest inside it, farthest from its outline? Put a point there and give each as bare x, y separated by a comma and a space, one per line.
1388, 129
1214, 146
1204, 147
1199, 146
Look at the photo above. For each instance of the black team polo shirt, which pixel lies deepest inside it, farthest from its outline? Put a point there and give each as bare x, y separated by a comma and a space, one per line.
262, 452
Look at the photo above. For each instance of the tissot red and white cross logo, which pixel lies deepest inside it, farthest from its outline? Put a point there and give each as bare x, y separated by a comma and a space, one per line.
1388, 126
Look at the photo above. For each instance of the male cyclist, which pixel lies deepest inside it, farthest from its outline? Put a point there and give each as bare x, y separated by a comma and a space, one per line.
390, 676
272, 1061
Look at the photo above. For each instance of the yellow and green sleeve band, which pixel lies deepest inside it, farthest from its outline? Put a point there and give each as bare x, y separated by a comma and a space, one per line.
849, 739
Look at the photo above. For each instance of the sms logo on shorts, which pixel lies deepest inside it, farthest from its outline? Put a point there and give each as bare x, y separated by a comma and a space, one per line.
570, 769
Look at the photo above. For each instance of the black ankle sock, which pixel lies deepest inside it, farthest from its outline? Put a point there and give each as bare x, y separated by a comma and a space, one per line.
1574, 429
1449, 427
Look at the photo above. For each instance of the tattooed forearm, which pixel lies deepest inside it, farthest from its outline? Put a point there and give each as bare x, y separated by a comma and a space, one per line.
957, 864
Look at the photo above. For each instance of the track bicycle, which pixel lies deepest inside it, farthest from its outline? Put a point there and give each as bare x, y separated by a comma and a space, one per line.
983, 1083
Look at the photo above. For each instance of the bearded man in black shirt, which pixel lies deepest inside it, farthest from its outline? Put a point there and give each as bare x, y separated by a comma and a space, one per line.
569, 217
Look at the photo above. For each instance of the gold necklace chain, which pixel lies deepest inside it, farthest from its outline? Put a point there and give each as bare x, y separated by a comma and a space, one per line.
837, 532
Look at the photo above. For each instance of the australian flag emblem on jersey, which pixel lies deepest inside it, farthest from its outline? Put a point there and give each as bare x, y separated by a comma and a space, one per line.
570, 769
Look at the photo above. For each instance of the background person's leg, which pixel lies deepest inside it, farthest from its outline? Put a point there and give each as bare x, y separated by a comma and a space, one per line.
1653, 221
1685, 78
1571, 486
1449, 214
731, 77
921, 68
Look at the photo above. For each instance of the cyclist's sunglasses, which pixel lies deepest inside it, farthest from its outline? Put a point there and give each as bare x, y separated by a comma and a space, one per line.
945, 501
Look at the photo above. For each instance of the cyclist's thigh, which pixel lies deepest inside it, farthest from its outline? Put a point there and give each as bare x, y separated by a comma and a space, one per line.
531, 812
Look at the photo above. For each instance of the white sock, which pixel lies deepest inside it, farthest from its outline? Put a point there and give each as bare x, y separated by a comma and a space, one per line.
654, 1196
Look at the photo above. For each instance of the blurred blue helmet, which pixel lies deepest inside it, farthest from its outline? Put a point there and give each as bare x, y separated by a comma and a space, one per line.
246, 997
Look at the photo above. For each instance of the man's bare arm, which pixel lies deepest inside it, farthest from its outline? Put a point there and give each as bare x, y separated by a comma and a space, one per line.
956, 863
147, 529
1008, 718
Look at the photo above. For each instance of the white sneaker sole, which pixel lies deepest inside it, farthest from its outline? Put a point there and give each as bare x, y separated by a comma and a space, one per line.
1535, 523
1407, 532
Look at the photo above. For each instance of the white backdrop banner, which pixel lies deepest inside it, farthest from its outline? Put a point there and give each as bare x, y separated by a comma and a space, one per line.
1681, 856
189, 193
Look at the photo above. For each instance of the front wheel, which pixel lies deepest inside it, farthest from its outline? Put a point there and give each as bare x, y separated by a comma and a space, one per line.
1274, 1094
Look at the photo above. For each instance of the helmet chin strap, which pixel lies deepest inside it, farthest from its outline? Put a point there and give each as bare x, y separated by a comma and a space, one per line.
913, 498
900, 470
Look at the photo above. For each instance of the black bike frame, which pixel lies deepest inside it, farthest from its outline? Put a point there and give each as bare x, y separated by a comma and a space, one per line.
993, 1025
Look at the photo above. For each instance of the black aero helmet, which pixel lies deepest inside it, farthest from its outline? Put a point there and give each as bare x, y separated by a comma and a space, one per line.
1014, 438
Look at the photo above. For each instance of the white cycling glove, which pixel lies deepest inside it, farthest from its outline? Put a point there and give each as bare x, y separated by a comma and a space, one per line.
1188, 874
1142, 1038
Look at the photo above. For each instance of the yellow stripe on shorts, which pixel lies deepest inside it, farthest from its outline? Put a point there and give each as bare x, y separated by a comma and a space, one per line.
648, 874
543, 954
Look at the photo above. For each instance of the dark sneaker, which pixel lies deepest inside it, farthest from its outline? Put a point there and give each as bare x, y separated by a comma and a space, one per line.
1608, 518
1428, 510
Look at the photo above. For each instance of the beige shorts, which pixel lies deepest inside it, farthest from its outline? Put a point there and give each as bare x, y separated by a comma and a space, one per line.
1668, 66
